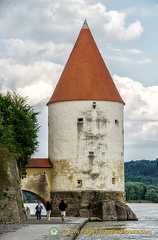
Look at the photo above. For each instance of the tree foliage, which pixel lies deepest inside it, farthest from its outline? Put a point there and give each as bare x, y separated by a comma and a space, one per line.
141, 180
18, 127
135, 191
139, 191
29, 197
145, 171
152, 193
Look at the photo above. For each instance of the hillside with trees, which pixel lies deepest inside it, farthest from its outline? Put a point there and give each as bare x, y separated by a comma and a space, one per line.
144, 171
141, 180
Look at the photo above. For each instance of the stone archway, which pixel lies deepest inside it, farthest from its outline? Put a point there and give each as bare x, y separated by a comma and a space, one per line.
41, 199
31, 205
38, 182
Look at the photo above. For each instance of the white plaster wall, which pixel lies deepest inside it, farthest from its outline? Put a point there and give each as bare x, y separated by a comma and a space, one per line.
70, 143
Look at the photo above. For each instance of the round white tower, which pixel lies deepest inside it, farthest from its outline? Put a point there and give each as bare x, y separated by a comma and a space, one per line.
85, 117
86, 145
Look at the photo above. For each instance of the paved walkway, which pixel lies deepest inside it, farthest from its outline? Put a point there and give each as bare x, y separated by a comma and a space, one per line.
41, 230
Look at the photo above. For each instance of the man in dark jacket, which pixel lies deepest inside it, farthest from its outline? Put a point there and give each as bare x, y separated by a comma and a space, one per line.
62, 207
49, 209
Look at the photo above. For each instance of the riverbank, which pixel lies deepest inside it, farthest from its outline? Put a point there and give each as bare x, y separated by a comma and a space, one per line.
145, 228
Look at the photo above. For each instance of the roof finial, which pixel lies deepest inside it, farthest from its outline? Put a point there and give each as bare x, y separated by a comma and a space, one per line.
85, 25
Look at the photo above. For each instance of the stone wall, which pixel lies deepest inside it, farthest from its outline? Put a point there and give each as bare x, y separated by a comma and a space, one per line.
11, 204
85, 203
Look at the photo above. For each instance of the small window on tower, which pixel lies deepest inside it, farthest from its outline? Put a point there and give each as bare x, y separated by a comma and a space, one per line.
116, 121
79, 183
91, 153
94, 104
113, 180
80, 120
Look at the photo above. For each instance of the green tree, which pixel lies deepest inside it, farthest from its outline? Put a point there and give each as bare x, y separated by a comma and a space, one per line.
135, 191
151, 195
29, 197
18, 127
145, 171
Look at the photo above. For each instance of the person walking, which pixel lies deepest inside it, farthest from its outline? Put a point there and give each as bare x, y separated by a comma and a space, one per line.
38, 211
62, 208
49, 209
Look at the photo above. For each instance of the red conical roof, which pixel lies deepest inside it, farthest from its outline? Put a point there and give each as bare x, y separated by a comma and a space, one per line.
85, 76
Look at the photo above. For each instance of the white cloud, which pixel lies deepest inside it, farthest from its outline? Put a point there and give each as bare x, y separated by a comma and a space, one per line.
36, 92
141, 120
124, 58
130, 51
57, 19
35, 80
25, 51
145, 60
140, 101
116, 27
134, 51
119, 58
127, 55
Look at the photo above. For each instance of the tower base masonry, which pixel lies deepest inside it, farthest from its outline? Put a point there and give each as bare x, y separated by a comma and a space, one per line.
106, 205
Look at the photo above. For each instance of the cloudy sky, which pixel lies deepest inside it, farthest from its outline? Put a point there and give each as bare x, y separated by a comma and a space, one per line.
37, 36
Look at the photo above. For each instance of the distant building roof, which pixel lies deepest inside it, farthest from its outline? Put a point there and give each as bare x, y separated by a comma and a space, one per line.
85, 76
39, 163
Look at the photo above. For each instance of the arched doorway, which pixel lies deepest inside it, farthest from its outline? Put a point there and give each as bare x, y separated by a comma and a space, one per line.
31, 200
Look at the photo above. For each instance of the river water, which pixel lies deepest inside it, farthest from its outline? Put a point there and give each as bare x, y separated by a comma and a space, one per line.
32, 208
145, 228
